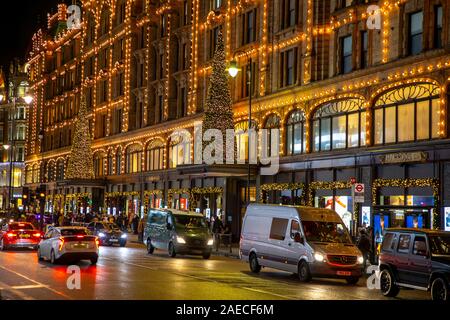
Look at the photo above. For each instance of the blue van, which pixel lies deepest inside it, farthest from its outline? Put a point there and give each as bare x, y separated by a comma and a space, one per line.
178, 232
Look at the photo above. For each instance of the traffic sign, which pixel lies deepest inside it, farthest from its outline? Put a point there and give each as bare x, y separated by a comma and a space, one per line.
359, 188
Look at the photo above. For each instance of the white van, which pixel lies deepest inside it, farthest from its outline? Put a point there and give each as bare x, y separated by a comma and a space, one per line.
307, 241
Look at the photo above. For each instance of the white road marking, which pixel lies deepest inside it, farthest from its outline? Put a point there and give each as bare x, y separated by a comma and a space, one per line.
28, 287
37, 283
20, 294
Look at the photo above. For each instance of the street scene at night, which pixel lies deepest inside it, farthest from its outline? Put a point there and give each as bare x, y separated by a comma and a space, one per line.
252, 152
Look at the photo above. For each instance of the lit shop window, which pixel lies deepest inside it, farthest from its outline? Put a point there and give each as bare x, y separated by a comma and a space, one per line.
134, 158
296, 133
155, 156
272, 122
339, 125
241, 135
179, 151
99, 164
408, 113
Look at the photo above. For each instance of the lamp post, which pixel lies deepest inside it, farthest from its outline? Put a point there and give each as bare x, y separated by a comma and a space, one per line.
233, 70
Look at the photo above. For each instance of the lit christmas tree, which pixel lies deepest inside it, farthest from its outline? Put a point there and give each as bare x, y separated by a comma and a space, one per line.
219, 105
81, 166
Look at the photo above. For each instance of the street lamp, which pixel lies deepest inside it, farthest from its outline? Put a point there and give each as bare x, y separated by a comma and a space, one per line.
233, 70
28, 99
2, 97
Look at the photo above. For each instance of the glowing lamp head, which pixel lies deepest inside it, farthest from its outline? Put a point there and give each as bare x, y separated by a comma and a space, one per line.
28, 99
233, 68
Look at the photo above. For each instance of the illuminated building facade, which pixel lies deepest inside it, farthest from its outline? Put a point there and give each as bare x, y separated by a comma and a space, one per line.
14, 88
352, 99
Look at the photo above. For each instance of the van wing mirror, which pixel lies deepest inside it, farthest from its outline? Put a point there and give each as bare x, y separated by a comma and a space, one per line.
298, 238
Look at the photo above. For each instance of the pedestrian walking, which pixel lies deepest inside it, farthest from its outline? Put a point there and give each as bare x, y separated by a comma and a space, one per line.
364, 246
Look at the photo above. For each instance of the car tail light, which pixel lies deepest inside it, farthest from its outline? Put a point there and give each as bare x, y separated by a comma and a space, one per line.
11, 235
97, 242
37, 235
80, 237
61, 243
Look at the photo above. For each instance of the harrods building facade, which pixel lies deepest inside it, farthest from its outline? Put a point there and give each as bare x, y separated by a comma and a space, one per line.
350, 102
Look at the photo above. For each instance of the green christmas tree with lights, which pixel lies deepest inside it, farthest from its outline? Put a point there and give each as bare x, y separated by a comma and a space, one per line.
81, 166
219, 105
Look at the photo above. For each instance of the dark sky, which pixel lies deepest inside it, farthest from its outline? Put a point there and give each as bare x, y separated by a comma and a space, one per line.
19, 19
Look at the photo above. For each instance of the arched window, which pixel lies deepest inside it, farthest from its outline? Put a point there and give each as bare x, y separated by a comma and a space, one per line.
272, 122
240, 131
119, 162
179, 151
110, 164
339, 124
408, 113
134, 159
99, 164
29, 175
155, 156
51, 171
295, 133
60, 170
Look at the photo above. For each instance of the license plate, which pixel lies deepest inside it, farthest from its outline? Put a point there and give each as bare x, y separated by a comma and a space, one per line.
344, 273
23, 236
114, 240
79, 246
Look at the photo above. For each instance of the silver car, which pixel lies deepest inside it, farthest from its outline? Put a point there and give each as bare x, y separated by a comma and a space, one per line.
68, 244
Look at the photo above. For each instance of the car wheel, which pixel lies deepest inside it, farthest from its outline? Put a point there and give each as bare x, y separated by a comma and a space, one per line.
207, 255
172, 252
352, 280
150, 248
255, 267
94, 261
387, 286
52, 257
123, 244
39, 256
439, 290
304, 274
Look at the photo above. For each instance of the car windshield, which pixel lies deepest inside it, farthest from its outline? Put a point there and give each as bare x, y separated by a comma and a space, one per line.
190, 222
73, 232
322, 231
21, 226
440, 245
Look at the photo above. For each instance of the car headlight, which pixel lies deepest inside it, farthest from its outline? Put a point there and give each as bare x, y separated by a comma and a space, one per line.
319, 257
360, 259
180, 240
210, 242
101, 235
124, 236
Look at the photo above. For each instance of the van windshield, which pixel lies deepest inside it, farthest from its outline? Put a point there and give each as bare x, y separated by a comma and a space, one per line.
323, 231
190, 222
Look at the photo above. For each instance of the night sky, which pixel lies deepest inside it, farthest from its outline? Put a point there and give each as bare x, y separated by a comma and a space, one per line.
19, 19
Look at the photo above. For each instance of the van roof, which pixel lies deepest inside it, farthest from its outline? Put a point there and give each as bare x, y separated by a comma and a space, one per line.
180, 212
305, 213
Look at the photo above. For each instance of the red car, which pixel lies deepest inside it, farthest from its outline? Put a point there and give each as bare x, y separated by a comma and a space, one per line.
19, 235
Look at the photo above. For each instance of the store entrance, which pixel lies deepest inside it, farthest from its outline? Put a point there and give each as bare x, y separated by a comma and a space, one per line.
398, 217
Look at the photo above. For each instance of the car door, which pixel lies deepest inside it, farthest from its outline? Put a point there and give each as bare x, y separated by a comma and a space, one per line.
46, 244
295, 250
402, 256
419, 262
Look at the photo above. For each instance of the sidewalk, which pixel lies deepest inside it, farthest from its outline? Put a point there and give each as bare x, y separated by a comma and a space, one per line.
224, 252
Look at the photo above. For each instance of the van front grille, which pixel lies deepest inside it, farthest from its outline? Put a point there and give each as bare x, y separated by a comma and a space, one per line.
342, 260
